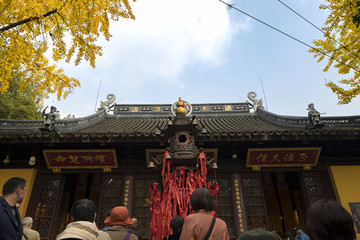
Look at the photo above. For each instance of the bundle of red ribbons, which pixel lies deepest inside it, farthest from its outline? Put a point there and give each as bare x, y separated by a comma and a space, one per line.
173, 197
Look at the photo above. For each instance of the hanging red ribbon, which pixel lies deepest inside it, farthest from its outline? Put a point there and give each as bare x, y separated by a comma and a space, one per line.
174, 199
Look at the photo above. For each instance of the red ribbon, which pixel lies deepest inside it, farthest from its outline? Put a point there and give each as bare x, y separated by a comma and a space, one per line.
174, 199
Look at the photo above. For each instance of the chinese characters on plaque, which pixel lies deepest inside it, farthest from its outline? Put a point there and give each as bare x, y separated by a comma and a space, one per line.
76, 159
282, 157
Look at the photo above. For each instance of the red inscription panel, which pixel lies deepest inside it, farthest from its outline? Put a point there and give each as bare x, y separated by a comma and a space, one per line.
89, 158
282, 157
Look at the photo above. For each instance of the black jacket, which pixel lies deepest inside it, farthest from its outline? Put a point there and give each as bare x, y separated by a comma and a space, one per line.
8, 228
135, 232
175, 236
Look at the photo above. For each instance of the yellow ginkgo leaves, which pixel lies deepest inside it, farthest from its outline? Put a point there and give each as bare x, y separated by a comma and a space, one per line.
28, 28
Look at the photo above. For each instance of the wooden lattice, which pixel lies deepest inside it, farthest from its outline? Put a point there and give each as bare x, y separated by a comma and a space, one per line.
141, 205
224, 203
254, 202
46, 203
315, 187
111, 195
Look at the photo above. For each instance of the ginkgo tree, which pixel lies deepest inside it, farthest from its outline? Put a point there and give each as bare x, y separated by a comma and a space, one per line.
69, 29
341, 47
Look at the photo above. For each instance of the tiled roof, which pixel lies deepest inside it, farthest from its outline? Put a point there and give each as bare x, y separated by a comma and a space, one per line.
219, 124
227, 120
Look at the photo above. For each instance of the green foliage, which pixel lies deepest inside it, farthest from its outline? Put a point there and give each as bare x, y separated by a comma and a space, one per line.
16, 104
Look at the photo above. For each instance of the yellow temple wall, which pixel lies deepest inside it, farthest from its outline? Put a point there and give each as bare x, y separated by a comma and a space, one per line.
29, 175
345, 180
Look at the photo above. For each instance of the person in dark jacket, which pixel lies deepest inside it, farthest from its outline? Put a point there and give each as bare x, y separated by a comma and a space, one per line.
133, 228
176, 225
259, 234
13, 192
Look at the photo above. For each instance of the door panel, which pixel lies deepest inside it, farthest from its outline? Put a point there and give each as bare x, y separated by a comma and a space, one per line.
45, 202
110, 195
254, 201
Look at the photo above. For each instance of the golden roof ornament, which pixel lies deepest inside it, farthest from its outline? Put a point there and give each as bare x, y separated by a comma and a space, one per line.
181, 107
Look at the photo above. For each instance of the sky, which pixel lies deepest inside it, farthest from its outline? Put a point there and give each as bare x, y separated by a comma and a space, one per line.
204, 52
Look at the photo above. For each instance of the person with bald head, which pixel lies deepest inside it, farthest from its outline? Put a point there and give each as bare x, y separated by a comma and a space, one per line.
29, 234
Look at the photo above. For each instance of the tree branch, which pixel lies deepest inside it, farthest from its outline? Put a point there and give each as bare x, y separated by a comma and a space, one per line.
26, 21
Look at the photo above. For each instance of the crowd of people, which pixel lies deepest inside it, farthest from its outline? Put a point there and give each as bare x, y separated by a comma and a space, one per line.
326, 220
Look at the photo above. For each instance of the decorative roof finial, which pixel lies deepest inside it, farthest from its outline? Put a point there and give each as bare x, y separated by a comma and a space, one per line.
257, 103
314, 117
49, 121
180, 107
108, 104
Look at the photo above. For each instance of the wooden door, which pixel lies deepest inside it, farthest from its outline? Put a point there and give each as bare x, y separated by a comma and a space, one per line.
284, 200
254, 201
44, 202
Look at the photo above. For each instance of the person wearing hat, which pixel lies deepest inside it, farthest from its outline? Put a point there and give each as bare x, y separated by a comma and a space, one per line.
119, 221
259, 234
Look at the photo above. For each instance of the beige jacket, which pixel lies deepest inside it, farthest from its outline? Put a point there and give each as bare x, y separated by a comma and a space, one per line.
30, 234
81, 230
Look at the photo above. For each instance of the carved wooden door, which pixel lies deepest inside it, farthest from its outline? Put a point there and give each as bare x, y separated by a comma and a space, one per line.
281, 207
317, 186
254, 200
111, 193
44, 201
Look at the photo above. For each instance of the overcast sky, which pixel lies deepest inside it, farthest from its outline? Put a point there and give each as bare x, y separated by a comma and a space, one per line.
206, 53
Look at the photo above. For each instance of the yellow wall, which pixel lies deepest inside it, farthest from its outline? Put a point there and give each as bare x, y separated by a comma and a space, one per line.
28, 174
345, 180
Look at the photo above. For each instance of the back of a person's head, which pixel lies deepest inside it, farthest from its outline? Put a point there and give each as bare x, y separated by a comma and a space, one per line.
298, 228
135, 222
12, 184
176, 224
27, 221
201, 198
328, 220
83, 210
296, 231
259, 234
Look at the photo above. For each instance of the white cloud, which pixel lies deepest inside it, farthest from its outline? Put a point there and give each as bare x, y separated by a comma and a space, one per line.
165, 37
198, 50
